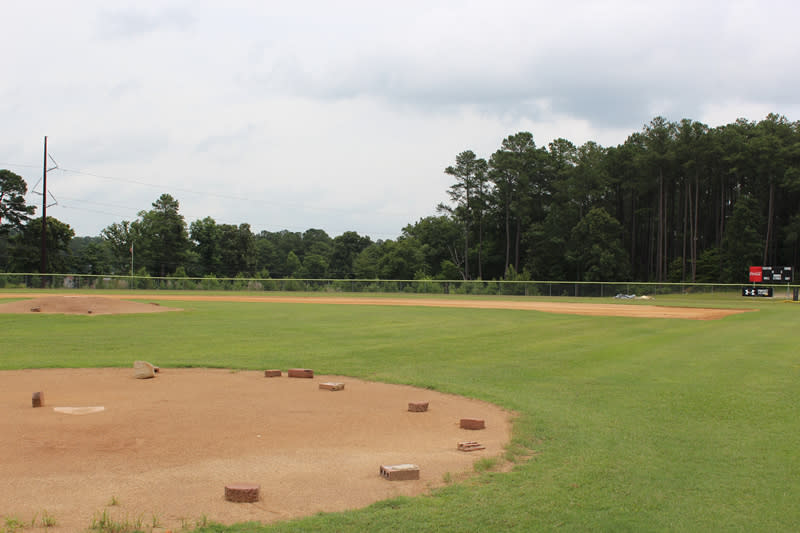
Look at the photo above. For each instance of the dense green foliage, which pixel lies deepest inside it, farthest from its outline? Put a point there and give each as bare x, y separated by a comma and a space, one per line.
680, 202
13, 210
675, 202
25, 247
634, 424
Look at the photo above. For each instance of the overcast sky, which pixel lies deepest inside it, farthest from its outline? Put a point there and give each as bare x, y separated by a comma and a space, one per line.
343, 115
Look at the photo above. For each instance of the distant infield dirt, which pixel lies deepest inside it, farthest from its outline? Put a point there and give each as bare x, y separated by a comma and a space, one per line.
162, 450
110, 304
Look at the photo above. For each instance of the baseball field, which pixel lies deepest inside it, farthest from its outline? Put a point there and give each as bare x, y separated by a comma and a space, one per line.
673, 414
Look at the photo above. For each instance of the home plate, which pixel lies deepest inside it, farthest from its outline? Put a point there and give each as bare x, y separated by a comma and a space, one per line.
79, 410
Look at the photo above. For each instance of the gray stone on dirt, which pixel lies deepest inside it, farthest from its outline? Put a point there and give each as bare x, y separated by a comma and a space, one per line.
143, 370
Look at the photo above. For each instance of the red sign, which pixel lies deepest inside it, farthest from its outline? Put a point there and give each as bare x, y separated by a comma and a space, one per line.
756, 275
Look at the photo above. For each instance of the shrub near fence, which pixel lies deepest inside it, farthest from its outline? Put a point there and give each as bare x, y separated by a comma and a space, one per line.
425, 286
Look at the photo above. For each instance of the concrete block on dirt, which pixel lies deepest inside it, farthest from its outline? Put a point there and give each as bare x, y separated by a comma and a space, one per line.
330, 385
402, 472
473, 423
272, 373
417, 407
301, 373
242, 492
37, 399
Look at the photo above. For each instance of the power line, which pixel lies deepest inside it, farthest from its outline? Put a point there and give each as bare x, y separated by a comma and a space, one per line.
185, 190
104, 204
92, 211
2, 164
204, 193
144, 183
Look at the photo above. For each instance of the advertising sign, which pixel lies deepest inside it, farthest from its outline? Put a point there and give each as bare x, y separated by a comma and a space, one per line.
765, 292
756, 275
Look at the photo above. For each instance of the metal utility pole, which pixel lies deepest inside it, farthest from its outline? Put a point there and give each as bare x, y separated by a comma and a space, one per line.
43, 267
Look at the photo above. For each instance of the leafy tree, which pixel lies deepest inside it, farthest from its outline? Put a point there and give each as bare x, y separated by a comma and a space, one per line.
589, 183
708, 266
775, 148
13, 210
294, 267
223, 249
658, 162
163, 238
792, 239
365, 265
266, 254
595, 249
206, 236
400, 259
345, 248
315, 266
441, 240
448, 270
90, 255
517, 171
694, 155
742, 245
120, 238
282, 243
236, 250
316, 241
467, 195
547, 241
25, 246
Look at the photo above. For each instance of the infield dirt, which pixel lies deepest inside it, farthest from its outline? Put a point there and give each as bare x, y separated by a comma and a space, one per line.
105, 304
166, 447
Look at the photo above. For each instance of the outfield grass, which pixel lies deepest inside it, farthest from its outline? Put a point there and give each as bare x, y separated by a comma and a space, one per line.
635, 424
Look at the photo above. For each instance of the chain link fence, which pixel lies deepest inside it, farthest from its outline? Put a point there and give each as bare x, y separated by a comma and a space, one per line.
425, 286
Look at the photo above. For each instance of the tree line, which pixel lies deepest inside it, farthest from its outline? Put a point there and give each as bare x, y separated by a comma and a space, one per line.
677, 201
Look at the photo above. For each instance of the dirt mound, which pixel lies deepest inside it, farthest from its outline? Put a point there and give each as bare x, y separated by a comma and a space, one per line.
82, 305
165, 448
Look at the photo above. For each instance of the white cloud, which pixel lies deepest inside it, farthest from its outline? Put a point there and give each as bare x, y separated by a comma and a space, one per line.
342, 116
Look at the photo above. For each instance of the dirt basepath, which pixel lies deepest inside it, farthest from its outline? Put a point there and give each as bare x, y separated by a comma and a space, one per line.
166, 447
75, 304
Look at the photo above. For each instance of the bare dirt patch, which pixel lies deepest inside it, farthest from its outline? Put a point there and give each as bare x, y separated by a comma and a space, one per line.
79, 305
166, 447
120, 303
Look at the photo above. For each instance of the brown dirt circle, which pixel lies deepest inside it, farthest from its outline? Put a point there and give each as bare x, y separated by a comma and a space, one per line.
166, 447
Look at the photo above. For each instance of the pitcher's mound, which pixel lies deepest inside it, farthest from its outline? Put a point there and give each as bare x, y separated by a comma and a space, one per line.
82, 305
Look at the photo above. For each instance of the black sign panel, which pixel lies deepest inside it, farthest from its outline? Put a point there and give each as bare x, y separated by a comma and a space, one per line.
765, 292
776, 274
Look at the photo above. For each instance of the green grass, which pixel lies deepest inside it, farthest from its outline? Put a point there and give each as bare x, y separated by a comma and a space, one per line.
632, 424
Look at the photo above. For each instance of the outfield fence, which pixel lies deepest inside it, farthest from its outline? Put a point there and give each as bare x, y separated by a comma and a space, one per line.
424, 286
